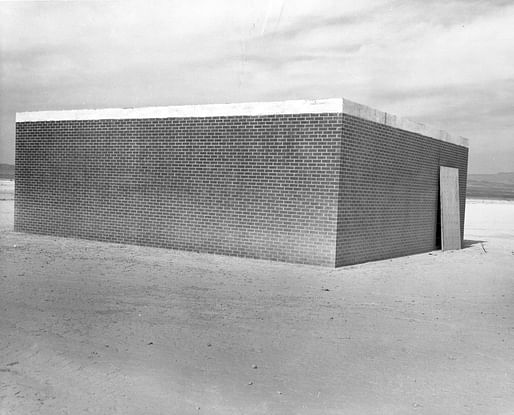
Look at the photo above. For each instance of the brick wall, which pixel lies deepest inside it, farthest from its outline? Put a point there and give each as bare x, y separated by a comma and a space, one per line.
260, 186
389, 191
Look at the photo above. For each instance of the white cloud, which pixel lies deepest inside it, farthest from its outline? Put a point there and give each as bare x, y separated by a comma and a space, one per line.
447, 62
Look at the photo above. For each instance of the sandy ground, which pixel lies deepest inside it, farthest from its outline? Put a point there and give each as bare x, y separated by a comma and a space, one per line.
99, 328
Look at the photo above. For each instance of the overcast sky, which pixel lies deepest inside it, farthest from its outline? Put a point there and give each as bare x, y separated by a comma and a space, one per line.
446, 63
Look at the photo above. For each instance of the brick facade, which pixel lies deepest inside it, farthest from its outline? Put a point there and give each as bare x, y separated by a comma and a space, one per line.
318, 188
389, 191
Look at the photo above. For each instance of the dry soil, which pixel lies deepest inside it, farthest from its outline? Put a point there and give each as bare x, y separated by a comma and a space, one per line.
99, 328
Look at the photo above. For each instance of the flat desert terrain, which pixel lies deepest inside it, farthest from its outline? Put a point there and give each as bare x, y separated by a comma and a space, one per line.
99, 328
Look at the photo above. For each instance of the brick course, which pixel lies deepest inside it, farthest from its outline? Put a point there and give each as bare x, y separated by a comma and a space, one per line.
319, 188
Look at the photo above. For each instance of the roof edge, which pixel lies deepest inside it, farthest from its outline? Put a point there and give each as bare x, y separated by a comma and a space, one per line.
316, 106
391, 120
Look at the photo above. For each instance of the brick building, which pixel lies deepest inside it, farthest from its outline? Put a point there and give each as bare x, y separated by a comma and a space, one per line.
327, 182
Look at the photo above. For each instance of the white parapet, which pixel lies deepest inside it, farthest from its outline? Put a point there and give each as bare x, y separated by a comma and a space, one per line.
391, 120
316, 106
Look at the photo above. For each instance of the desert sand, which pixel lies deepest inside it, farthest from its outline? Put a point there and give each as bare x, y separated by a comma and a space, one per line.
99, 328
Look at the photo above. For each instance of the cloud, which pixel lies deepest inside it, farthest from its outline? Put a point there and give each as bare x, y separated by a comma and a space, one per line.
446, 62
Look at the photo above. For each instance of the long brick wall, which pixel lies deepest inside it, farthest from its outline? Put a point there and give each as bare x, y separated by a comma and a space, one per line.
389, 191
258, 186
326, 182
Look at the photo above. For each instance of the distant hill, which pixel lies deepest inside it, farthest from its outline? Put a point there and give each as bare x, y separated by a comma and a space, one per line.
7, 171
491, 186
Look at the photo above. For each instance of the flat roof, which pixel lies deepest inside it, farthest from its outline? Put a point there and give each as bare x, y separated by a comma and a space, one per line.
316, 106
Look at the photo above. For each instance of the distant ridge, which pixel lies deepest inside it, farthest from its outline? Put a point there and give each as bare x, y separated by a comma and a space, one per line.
7, 171
491, 186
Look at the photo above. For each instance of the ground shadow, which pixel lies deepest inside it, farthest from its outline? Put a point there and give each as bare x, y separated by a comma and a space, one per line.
468, 243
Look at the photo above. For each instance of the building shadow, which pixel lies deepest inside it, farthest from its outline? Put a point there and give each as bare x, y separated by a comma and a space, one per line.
468, 243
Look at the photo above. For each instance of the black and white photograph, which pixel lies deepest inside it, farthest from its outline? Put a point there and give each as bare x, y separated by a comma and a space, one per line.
250, 207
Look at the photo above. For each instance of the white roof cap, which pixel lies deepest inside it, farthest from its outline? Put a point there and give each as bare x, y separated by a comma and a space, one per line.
316, 106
